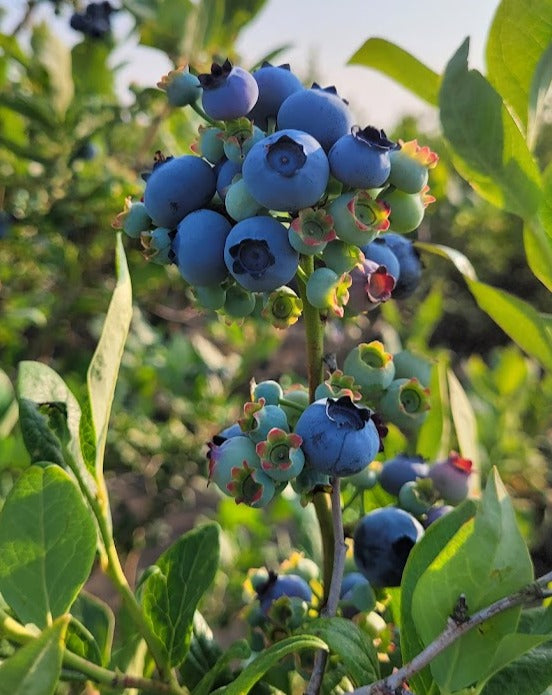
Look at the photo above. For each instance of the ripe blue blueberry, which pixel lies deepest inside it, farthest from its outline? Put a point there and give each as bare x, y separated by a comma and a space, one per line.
287, 170
177, 187
291, 585
360, 159
320, 112
228, 92
225, 172
435, 513
276, 83
409, 261
383, 540
259, 255
339, 438
400, 470
199, 247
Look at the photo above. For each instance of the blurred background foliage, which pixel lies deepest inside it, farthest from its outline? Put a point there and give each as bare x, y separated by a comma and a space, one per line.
71, 150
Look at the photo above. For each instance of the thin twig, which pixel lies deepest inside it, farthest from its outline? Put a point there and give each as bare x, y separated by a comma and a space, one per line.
454, 630
330, 609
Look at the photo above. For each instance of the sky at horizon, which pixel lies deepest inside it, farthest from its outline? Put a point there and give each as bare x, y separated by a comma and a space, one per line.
324, 34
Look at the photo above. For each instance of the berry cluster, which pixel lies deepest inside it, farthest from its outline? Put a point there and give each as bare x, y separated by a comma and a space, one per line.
95, 21
281, 172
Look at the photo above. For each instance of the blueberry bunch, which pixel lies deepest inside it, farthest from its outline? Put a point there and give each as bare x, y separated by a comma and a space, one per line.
95, 21
280, 172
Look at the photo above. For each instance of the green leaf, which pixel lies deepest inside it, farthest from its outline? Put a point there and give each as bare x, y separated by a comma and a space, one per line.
42, 395
47, 544
239, 650
104, 367
460, 261
35, 668
530, 674
170, 595
400, 66
465, 426
97, 617
519, 35
254, 671
516, 318
538, 249
436, 537
433, 440
54, 55
354, 648
91, 72
541, 87
34, 107
485, 561
488, 149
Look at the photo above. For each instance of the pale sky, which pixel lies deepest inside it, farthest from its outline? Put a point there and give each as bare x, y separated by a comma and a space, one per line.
328, 32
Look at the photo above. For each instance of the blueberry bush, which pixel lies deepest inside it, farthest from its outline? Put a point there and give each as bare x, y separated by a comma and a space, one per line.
356, 532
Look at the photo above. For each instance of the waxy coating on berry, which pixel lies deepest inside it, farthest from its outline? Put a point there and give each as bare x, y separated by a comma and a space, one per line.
339, 438
177, 187
401, 469
360, 159
228, 92
259, 255
276, 83
286, 171
383, 540
291, 585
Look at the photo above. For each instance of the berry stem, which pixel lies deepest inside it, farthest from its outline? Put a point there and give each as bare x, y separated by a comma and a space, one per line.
314, 329
330, 607
200, 112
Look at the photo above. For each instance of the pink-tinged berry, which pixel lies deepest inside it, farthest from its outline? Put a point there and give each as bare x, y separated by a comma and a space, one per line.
234, 452
451, 478
251, 486
258, 419
409, 166
405, 403
281, 455
328, 290
358, 217
371, 285
228, 92
310, 231
371, 366
282, 307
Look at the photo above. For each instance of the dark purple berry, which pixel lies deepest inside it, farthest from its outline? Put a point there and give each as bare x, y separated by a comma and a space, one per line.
400, 470
276, 586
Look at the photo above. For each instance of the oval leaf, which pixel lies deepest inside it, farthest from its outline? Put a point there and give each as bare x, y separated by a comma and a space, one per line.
485, 561
489, 151
35, 668
47, 545
268, 658
400, 66
171, 593
355, 649
465, 426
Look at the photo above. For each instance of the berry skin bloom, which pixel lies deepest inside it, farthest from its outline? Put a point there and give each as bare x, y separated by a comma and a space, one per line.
383, 540
276, 83
339, 438
259, 255
228, 92
361, 159
276, 586
177, 187
410, 272
286, 171
402, 469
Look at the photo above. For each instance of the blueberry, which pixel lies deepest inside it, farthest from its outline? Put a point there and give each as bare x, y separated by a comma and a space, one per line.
380, 252
361, 159
287, 170
400, 470
383, 540
225, 172
435, 513
199, 247
371, 285
276, 83
356, 594
405, 403
319, 112
228, 92
276, 586
269, 389
451, 478
181, 86
409, 261
339, 438
409, 166
371, 366
177, 187
259, 255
